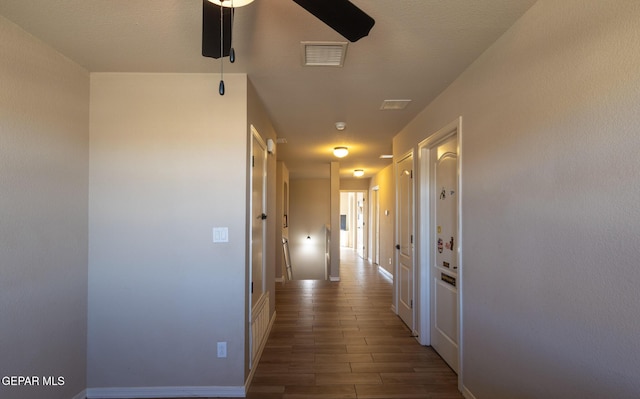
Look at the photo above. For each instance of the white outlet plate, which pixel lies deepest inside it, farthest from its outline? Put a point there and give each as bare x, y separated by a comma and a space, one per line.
222, 349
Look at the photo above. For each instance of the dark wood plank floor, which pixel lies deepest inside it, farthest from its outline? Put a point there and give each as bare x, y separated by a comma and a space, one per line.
341, 340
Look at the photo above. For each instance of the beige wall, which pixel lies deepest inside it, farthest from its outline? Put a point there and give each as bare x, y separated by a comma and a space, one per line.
550, 211
385, 182
361, 184
168, 163
310, 212
44, 158
282, 209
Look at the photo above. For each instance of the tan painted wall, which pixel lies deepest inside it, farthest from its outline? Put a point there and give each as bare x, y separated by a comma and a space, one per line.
310, 212
386, 198
282, 211
550, 211
168, 163
44, 159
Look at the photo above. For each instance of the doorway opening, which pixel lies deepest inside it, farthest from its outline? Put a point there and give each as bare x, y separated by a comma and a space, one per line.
353, 211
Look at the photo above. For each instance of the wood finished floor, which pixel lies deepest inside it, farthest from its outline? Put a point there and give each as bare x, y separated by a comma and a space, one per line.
341, 340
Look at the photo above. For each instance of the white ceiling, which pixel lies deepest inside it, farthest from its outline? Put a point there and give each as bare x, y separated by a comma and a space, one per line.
414, 51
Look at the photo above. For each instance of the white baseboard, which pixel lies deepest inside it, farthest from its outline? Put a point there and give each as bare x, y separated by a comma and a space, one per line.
334, 279
81, 395
166, 392
259, 355
467, 393
385, 273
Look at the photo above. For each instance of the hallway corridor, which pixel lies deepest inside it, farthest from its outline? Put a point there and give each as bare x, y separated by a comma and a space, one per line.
341, 340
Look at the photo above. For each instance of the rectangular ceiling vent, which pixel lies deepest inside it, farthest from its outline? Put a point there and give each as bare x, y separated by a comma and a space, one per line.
394, 104
324, 53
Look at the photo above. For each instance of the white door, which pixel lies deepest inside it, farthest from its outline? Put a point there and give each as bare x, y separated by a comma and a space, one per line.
444, 262
404, 247
375, 226
360, 224
258, 212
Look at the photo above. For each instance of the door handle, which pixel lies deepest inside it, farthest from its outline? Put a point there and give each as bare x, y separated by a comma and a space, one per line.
262, 216
397, 246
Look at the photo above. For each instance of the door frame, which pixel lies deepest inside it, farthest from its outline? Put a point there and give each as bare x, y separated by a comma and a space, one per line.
374, 225
396, 288
352, 214
424, 251
263, 147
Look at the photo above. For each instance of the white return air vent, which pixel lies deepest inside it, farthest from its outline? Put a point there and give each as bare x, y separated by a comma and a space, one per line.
324, 53
394, 104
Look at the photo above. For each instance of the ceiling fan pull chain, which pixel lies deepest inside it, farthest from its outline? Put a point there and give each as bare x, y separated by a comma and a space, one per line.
221, 85
232, 52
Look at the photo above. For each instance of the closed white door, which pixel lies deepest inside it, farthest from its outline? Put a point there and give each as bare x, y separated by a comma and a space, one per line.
258, 220
404, 246
444, 262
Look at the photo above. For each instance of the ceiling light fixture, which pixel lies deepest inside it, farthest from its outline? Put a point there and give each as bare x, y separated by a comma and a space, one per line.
341, 126
231, 3
358, 172
386, 156
340, 152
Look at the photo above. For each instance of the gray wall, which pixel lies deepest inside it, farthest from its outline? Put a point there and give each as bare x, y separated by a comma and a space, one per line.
550, 210
168, 163
44, 153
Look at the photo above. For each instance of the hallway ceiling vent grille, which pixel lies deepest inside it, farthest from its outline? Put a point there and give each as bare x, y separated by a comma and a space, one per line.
394, 104
324, 53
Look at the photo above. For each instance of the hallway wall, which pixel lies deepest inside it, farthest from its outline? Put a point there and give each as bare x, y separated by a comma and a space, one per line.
169, 160
44, 161
550, 210
386, 201
310, 211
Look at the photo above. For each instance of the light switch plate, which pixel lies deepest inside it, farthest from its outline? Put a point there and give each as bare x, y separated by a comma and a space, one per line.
222, 349
220, 234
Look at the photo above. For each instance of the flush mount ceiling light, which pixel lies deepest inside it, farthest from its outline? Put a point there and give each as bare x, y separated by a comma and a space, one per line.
340, 152
358, 172
340, 126
231, 3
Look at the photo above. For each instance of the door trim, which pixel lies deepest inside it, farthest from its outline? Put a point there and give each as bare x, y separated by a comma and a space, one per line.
396, 268
374, 225
423, 250
263, 148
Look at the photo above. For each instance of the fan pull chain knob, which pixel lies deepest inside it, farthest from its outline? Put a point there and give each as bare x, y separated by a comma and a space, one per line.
221, 88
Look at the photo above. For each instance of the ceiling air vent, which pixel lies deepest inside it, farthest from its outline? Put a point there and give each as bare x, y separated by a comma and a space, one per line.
323, 53
395, 104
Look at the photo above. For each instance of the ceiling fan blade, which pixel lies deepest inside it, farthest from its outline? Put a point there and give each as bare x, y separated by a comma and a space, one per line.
211, 29
341, 15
